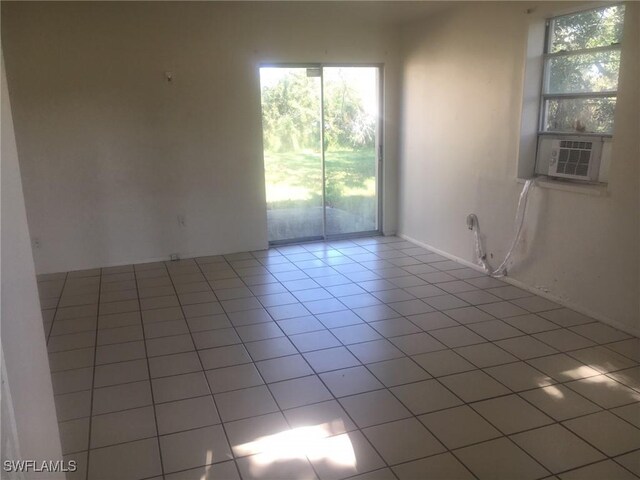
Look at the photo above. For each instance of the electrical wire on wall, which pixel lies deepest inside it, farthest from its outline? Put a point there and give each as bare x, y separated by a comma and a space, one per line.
472, 224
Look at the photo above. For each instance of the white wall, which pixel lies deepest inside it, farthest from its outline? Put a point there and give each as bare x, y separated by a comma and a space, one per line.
462, 85
111, 153
34, 428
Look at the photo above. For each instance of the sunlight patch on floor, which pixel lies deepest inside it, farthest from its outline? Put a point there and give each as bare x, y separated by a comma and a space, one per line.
313, 442
552, 391
581, 372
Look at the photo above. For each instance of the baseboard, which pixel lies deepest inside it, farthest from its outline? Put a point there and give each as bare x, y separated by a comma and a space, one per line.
464, 262
517, 283
164, 258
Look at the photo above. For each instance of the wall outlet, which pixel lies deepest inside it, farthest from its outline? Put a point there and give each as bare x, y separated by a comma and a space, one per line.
182, 220
36, 243
174, 257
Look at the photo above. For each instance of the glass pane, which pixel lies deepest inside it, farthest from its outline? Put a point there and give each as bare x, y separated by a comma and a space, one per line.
351, 128
291, 118
589, 72
593, 28
582, 115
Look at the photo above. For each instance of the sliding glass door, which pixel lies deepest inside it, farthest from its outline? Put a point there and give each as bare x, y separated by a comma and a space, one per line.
292, 139
321, 127
351, 119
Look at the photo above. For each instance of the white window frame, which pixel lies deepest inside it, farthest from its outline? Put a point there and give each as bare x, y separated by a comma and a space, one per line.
547, 57
528, 164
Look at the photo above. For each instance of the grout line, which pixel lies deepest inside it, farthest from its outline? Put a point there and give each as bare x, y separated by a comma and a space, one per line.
265, 384
347, 345
153, 403
48, 334
518, 360
224, 430
325, 386
330, 330
602, 409
93, 379
502, 435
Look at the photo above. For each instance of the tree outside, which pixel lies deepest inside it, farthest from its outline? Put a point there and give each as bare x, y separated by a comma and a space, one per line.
586, 72
292, 130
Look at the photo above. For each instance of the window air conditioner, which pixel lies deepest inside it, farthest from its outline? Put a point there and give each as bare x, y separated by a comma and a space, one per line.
577, 158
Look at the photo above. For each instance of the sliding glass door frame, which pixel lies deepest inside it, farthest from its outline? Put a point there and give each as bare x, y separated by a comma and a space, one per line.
379, 150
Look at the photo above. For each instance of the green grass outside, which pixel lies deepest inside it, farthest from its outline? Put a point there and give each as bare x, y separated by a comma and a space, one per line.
294, 179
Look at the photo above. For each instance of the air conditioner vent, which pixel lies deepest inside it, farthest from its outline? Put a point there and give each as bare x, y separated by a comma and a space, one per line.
575, 158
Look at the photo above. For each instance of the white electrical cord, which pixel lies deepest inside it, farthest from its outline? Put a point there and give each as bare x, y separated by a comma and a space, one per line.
472, 222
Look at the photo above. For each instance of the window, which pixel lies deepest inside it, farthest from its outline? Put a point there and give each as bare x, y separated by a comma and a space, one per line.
580, 75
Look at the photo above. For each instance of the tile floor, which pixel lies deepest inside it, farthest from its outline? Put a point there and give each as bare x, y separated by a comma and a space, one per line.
369, 358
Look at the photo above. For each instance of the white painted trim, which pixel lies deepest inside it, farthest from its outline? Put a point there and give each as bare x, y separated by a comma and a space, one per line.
574, 306
536, 291
164, 258
464, 262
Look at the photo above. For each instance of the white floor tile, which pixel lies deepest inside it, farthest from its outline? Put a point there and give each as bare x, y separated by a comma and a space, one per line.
368, 321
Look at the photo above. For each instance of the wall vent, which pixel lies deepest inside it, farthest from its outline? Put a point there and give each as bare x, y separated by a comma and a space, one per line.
577, 158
